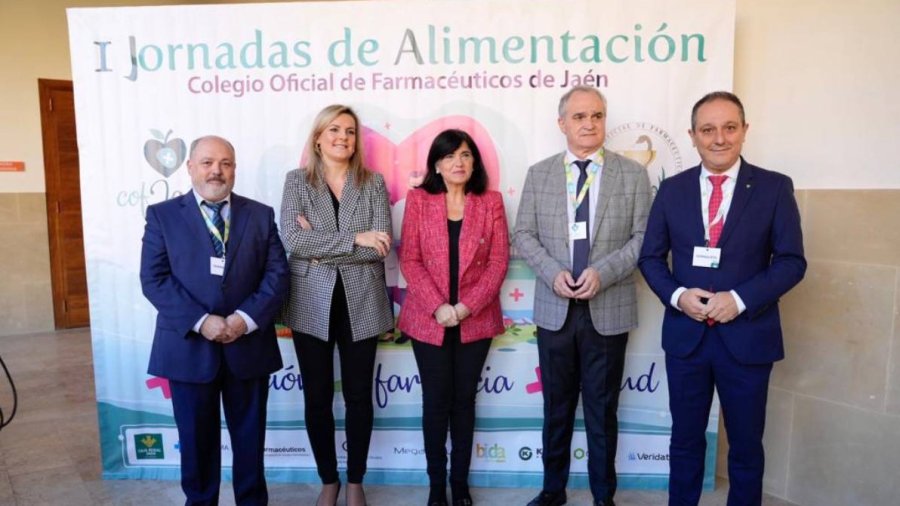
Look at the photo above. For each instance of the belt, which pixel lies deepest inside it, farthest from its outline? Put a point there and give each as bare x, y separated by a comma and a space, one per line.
579, 302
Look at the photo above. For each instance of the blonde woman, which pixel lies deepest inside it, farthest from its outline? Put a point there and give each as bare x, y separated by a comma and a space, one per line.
336, 224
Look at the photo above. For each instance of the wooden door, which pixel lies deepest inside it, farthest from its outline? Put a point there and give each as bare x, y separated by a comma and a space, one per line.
67, 267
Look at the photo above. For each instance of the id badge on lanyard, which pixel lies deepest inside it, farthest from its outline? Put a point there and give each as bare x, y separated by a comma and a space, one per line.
579, 230
706, 256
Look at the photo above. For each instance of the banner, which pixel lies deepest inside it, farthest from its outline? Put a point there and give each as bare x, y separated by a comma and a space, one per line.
148, 80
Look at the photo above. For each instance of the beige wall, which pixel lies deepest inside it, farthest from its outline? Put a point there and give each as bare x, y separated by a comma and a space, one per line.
833, 428
818, 78
834, 418
25, 302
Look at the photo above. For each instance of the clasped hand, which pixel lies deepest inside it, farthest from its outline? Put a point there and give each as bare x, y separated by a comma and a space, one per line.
720, 306
585, 287
223, 330
451, 315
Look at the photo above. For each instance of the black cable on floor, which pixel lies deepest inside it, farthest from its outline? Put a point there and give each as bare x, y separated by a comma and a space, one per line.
3, 421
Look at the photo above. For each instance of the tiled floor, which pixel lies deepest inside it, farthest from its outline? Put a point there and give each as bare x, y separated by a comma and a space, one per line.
49, 455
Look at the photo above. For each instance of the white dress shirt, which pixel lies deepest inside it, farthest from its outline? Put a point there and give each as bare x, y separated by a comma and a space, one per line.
706, 188
226, 216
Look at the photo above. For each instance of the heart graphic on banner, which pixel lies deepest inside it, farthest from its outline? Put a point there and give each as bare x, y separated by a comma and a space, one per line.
164, 155
403, 165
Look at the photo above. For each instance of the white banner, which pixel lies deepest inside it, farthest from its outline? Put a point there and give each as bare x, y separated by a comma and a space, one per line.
148, 80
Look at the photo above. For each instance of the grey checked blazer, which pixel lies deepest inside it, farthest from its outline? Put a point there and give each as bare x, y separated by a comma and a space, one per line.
541, 238
317, 255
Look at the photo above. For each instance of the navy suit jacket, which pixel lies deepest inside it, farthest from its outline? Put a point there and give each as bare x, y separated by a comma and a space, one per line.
176, 279
762, 258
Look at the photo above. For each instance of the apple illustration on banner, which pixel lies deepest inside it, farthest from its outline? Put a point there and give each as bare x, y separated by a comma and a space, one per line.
164, 155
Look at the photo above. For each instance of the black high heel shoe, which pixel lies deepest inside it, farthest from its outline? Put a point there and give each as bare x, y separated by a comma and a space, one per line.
461, 496
437, 496
361, 491
336, 494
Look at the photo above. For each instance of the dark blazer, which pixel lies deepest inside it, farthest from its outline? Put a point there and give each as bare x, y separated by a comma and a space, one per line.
762, 258
176, 279
425, 262
317, 255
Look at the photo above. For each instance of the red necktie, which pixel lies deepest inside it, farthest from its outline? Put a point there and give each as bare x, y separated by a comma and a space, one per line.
715, 230
715, 200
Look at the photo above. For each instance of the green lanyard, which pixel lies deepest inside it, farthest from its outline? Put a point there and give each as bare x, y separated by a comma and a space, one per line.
572, 180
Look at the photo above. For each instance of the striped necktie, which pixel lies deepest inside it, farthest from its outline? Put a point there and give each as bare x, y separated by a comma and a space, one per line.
219, 223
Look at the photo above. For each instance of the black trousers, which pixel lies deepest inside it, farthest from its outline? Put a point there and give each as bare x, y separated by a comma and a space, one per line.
575, 358
449, 375
316, 359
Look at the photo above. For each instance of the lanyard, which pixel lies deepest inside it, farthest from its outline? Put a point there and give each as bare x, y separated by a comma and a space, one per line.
215, 231
572, 181
723, 207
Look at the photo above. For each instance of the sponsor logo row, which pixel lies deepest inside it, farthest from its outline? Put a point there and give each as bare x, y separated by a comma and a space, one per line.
402, 449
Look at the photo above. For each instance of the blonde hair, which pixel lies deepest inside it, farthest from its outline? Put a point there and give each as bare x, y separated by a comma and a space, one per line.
315, 166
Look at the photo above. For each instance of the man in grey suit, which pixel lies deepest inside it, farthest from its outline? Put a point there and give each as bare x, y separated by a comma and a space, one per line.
580, 227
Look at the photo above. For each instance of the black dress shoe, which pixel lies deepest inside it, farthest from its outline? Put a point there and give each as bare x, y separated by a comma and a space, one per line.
461, 496
608, 502
437, 496
549, 499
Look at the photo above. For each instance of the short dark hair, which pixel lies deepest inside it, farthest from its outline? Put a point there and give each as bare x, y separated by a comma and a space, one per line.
717, 95
446, 143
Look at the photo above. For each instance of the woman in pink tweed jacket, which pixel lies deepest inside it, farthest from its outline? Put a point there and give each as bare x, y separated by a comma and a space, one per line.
454, 256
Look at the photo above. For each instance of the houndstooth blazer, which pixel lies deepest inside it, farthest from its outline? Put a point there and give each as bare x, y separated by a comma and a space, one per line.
541, 238
317, 255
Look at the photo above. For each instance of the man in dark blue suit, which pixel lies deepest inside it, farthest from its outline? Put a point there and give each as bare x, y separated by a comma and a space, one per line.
213, 266
733, 231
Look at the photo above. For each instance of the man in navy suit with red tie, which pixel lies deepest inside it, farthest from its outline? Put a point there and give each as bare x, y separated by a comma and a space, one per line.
213, 265
733, 231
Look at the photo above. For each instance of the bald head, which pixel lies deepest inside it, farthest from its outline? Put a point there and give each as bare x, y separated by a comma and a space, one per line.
210, 138
211, 165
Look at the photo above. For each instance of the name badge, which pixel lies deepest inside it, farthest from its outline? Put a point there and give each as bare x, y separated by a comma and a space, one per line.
578, 230
707, 257
217, 266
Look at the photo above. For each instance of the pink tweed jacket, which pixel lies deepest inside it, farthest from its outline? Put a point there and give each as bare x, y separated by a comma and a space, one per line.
425, 263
